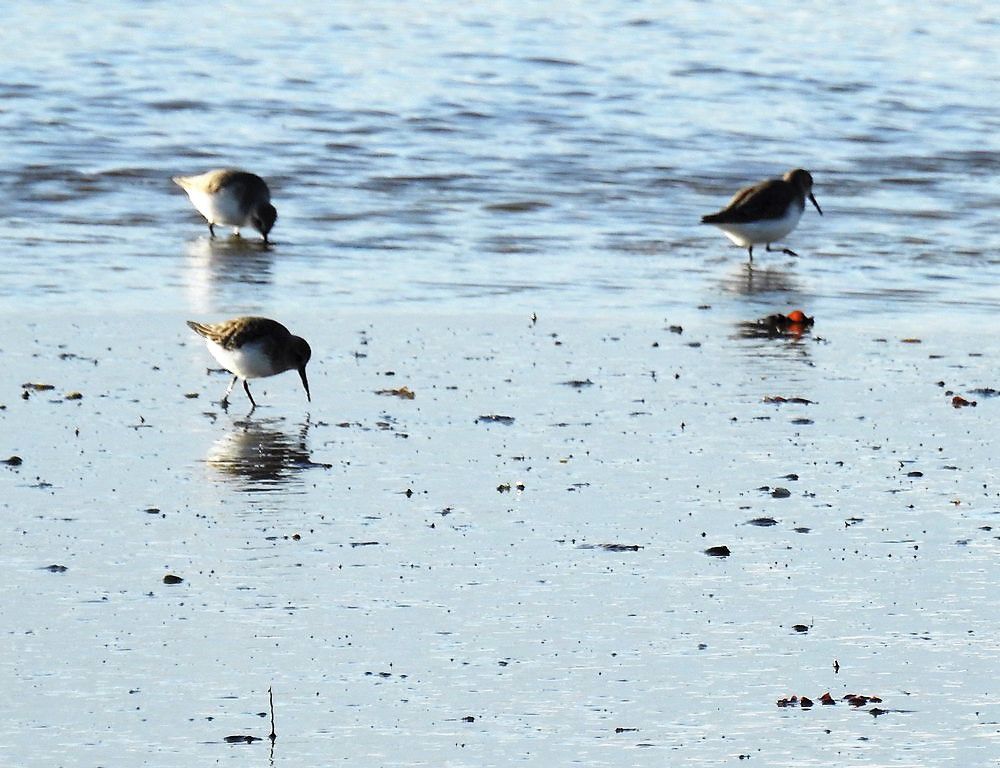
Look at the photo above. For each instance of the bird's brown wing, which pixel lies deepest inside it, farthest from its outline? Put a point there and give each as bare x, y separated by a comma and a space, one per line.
767, 200
234, 333
248, 188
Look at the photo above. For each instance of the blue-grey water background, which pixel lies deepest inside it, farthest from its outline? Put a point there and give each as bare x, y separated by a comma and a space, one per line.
442, 171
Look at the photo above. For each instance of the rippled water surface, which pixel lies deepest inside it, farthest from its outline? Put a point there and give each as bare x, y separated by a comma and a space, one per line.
439, 153
425, 586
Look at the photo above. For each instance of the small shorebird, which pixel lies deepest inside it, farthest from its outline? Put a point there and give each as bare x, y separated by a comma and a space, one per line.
231, 198
766, 211
252, 348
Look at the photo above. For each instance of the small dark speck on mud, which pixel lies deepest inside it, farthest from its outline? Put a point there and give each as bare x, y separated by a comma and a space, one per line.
493, 418
404, 393
860, 700
621, 547
915, 473
800, 627
242, 739
781, 493
54, 568
74, 396
172, 579
468, 719
762, 522
152, 510
985, 392
578, 383
722, 551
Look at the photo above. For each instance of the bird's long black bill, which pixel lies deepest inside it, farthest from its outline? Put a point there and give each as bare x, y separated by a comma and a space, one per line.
305, 383
813, 201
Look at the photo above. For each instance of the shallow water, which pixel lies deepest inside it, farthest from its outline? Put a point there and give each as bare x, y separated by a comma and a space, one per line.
441, 173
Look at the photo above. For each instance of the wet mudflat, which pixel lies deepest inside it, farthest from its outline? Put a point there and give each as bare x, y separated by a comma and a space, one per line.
514, 564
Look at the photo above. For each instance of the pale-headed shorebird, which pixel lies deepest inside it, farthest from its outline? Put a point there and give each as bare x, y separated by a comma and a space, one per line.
232, 198
253, 348
765, 212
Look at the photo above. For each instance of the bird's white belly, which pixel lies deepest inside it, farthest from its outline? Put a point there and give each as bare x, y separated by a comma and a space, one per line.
221, 207
765, 231
247, 362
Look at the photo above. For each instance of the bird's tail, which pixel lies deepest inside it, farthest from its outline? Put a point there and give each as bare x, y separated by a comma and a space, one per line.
201, 330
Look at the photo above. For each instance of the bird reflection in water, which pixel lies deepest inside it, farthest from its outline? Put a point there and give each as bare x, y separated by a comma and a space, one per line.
777, 337
751, 280
260, 455
230, 263
792, 326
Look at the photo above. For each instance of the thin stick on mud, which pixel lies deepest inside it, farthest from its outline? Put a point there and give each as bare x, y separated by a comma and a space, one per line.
270, 696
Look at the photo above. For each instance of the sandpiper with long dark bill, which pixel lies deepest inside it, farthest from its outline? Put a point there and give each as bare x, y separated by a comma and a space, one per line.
253, 348
231, 198
765, 212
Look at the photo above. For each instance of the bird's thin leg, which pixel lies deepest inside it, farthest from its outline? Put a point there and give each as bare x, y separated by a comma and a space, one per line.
225, 397
789, 251
750, 251
211, 229
246, 388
